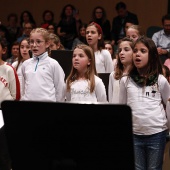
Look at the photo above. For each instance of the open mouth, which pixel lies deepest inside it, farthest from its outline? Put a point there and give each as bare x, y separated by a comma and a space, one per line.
35, 51
137, 60
89, 39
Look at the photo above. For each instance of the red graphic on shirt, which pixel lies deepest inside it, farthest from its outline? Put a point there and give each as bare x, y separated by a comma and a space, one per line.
4, 81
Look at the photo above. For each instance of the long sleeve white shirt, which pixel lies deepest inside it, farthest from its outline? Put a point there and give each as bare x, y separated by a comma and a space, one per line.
104, 62
42, 79
148, 113
9, 83
113, 89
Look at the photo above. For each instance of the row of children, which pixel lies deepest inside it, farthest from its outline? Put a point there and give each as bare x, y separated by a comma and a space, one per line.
136, 80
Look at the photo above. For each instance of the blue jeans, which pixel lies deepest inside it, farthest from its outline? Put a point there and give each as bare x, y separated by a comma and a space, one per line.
149, 151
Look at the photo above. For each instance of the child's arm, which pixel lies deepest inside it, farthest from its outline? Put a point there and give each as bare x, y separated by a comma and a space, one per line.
108, 62
67, 94
110, 87
165, 94
100, 91
14, 84
123, 91
164, 89
168, 112
59, 82
22, 80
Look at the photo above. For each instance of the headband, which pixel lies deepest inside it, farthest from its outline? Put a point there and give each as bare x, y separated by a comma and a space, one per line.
98, 27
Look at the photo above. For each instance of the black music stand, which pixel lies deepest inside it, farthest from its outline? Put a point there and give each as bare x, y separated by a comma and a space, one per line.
54, 136
64, 57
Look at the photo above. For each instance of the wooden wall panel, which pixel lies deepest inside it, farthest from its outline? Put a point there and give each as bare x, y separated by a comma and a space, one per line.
149, 11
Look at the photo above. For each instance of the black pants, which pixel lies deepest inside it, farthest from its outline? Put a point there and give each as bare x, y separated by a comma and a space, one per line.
5, 162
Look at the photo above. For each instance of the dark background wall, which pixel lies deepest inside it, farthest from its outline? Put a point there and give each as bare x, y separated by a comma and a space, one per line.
149, 12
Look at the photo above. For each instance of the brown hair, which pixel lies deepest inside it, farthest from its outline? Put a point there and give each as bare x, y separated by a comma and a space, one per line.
154, 66
91, 70
100, 44
119, 66
20, 56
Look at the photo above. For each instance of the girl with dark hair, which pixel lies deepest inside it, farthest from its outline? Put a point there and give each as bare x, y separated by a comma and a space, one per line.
48, 19
67, 28
146, 91
81, 38
122, 68
99, 16
26, 17
24, 54
103, 58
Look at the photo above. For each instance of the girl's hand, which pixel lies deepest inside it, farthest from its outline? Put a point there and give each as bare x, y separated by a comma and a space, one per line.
161, 51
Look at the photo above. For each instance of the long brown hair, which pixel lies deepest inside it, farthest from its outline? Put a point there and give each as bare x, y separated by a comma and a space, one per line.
100, 44
154, 66
20, 58
91, 70
103, 14
119, 66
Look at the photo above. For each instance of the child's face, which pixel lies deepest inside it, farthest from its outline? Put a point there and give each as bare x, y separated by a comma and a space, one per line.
15, 51
38, 44
53, 46
83, 32
140, 56
48, 16
27, 29
132, 34
109, 48
24, 49
80, 60
26, 17
50, 29
125, 53
92, 35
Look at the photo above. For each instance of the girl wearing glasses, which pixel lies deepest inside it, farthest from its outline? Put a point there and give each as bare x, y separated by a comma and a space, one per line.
42, 76
100, 17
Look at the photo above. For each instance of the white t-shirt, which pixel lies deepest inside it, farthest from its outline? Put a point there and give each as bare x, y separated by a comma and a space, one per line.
80, 91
